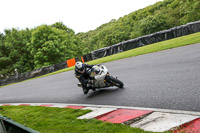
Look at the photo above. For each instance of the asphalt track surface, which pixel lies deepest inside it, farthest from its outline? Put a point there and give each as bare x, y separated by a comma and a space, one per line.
168, 79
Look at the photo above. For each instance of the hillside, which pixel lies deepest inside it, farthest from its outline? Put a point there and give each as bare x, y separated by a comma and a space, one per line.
160, 16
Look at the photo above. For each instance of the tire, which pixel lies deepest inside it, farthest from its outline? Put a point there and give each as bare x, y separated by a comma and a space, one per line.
116, 82
85, 90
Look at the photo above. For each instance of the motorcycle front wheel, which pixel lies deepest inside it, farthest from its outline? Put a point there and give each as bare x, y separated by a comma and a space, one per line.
116, 82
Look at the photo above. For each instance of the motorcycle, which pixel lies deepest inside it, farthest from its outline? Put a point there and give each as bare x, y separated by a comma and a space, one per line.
100, 79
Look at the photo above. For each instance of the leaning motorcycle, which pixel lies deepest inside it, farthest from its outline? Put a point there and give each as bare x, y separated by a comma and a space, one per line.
101, 79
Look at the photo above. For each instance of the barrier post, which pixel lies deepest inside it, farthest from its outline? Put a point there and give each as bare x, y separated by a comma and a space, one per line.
82, 59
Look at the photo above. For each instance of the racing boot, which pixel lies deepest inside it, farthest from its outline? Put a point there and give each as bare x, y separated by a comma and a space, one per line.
91, 85
85, 90
93, 89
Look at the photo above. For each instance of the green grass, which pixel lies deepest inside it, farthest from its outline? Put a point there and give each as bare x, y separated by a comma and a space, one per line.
61, 120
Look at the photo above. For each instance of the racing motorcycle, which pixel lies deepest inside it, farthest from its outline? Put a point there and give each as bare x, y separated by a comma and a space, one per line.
100, 78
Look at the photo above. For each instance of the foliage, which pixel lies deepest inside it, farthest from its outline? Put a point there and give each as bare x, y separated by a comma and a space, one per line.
26, 50
61, 26
29, 49
14, 54
48, 45
160, 16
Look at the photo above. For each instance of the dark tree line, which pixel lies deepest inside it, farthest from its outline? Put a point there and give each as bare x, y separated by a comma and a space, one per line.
26, 50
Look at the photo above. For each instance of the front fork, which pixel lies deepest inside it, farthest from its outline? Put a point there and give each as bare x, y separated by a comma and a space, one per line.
107, 79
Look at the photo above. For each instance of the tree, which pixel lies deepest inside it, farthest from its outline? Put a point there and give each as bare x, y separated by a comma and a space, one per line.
153, 24
4, 59
50, 45
61, 26
2, 45
16, 55
189, 10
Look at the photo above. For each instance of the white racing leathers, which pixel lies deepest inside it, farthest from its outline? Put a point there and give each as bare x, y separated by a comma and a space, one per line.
102, 78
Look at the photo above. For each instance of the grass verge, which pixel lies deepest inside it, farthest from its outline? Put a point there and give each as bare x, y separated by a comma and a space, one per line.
61, 120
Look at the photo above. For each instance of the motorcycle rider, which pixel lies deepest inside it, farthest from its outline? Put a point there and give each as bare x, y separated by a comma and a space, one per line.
81, 72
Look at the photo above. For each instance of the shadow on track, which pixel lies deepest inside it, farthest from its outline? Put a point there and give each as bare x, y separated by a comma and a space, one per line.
104, 92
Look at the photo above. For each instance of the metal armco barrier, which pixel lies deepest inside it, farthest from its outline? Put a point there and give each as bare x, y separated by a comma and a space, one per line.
9, 126
33, 74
